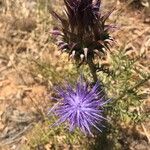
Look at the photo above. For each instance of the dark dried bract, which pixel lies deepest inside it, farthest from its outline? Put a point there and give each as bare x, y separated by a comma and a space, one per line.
83, 33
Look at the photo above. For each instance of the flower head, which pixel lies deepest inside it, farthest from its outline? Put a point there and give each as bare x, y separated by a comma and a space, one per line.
81, 107
83, 32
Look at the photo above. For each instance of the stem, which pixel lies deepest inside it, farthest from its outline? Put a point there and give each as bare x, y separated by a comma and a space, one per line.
92, 69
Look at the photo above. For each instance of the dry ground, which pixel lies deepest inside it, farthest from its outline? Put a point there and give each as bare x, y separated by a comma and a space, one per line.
23, 91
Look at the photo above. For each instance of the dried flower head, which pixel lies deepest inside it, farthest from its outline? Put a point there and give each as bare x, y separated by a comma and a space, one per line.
83, 33
81, 107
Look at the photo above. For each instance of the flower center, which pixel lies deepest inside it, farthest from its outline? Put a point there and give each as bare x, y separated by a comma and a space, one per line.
79, 106
78, 103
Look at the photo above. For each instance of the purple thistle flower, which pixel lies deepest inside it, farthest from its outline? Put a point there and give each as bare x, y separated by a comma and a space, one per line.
81, 107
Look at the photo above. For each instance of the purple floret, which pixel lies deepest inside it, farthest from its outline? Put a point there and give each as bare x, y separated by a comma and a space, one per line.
81, 107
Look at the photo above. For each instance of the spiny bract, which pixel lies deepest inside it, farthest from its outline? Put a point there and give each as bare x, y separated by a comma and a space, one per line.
83, 33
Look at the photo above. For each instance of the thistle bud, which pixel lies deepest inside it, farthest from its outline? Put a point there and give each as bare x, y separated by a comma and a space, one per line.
83, 28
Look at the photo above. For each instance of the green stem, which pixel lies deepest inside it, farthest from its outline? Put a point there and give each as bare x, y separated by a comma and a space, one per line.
92, 69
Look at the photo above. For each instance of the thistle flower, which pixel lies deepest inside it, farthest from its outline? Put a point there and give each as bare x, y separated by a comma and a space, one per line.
81, 107
83, 33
